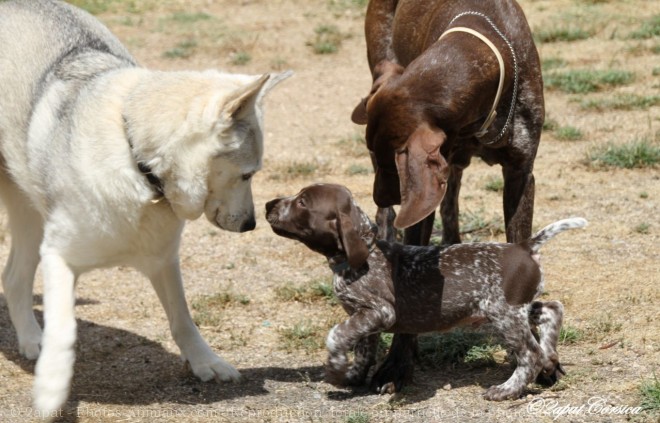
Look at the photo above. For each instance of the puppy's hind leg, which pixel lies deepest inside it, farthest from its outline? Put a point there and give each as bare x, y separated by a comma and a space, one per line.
548, 317
55, 365
205, 364
513, 325
26, 228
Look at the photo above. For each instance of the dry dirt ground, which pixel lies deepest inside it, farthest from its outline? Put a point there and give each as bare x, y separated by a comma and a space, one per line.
256, 296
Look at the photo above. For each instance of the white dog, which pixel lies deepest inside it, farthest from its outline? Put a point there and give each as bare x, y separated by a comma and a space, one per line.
101, 163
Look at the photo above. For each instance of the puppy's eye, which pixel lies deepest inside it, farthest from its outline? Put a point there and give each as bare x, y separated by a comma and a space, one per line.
301, 202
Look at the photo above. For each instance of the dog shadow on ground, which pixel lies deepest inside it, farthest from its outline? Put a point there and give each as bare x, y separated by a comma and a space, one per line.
114, 366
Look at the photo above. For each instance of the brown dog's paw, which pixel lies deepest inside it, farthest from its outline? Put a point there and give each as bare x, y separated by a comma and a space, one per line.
398, 368
550, 377
392, 376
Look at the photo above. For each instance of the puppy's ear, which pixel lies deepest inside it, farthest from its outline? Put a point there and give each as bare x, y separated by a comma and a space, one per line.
423, 174
356, 249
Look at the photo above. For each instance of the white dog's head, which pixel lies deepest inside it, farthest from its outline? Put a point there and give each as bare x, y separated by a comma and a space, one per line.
210, 127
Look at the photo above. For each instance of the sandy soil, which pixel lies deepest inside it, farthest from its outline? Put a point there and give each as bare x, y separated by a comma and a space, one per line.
607, 275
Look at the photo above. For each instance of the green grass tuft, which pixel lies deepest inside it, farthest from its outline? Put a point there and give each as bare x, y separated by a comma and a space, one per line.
633, 155
358, 417
207, 308
241, 58
568, 34
568, 133
495, 185
189, 17
622, 102
458, 346
183, 50
318, 290
569, 335
642, 228
649, 29
550, 124
552, 63
586, 81
302, 336
327, 40
650, 391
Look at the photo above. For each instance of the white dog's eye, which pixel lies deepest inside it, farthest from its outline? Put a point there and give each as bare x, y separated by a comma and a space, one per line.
247, 176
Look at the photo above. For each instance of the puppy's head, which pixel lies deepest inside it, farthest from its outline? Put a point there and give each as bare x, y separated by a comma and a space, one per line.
405, 145
325, 218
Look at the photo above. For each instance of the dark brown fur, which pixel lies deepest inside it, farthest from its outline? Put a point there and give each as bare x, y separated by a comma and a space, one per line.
411, 289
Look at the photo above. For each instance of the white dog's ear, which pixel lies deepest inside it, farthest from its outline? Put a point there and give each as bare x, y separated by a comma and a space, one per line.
275, 78
244, 98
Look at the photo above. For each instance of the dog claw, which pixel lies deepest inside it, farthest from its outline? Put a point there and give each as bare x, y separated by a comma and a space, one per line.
388, 388
549, 378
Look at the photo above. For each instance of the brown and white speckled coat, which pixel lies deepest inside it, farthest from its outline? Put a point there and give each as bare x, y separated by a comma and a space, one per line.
389, 287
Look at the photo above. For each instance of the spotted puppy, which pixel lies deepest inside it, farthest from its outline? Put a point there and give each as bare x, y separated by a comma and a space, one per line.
407, 289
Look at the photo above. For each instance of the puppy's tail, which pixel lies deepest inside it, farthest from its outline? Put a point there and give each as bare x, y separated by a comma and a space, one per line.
549, 232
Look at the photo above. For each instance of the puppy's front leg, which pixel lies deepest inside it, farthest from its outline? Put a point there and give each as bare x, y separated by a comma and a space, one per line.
55, 365
205, 364
365, 357
345, 335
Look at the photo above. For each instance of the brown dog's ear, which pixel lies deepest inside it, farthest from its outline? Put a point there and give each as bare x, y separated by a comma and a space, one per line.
355, 247
382, 72
359, 115
423, 174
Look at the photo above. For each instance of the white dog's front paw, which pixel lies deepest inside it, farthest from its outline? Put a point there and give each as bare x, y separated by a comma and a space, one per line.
213, 367
29, 341
30, 349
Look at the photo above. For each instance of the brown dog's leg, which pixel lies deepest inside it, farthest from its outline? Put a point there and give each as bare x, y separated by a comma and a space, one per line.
385, 222
518, 204
397, 369
449, 207
384, 216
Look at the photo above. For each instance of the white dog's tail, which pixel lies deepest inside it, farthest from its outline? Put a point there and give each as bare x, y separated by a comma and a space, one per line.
549, 232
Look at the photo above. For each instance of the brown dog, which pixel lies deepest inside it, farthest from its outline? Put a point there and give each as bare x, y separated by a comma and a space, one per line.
451, 80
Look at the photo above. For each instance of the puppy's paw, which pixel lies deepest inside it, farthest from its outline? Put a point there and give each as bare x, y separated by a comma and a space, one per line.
214, 368
500, 393
336, 377
551, 376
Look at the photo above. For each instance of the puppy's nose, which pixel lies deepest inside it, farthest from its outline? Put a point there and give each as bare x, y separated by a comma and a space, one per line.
248, 225
271, 205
